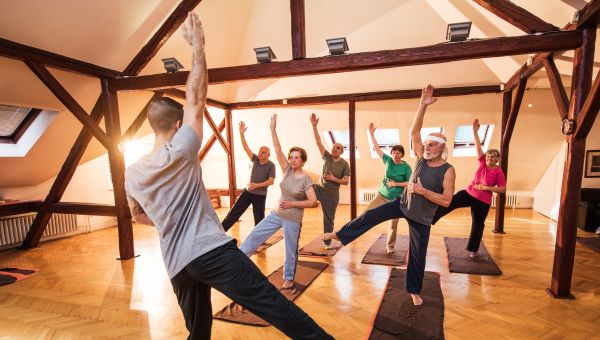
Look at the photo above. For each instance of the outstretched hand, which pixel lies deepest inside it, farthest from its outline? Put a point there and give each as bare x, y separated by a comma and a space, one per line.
243, 127
372, 128
313, 119
192, 31
476, 125
273, 121
427, 95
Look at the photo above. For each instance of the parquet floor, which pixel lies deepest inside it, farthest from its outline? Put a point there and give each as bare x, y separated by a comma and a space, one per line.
82, 292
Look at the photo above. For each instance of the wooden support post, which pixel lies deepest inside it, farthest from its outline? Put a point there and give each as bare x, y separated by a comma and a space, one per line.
298, 31
230, 158
566, 233
32, 239
501, 198
211, 141
352, 133
117, 172
215, 130
558, 89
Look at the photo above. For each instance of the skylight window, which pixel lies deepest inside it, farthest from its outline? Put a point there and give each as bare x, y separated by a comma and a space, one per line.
342, 137
424, 132
14, 120
386, 138
464, 143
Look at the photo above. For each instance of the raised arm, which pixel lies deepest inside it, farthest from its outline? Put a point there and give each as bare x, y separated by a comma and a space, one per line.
243, 129
314, 121
476, 138
372, 129
415, 131
197, 82
281, 159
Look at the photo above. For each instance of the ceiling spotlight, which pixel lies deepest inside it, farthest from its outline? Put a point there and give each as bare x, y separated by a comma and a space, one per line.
264, 54
458, 31
337, 46
171, 65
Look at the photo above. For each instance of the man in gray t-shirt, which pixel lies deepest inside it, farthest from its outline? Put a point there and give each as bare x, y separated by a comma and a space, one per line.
165, 189
336, 172
262, 175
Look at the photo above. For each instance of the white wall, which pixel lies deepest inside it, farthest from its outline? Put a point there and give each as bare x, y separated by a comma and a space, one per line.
547, 192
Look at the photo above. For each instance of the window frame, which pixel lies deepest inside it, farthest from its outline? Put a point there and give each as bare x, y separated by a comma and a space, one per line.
22, 128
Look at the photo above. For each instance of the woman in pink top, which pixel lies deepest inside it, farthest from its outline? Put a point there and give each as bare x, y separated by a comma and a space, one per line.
488, 179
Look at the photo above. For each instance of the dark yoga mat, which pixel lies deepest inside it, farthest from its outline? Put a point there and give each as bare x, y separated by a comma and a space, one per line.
11, 274
306, 272
315, 248
377, 254
278, 236
460, 262
399, 318
591, 242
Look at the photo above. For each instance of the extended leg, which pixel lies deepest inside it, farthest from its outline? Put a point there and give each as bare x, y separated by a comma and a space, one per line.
238, 209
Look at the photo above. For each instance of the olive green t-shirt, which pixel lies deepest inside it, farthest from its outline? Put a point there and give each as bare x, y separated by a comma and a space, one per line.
339, 169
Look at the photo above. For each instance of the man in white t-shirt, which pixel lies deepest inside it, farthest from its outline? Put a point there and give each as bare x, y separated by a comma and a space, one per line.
165, 189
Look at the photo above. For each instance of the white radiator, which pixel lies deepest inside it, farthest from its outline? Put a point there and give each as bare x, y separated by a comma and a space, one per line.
365, 196
13, 229
512, 201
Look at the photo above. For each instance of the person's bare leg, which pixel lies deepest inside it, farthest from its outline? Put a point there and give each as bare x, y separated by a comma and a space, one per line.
329, 236
287, 284
417, 300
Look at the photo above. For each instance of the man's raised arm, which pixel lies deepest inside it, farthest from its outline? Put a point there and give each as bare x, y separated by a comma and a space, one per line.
197, 82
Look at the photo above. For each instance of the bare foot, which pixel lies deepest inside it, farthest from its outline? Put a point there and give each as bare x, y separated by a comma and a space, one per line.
287, 284
417, 301
473, 254
329, 236
389, 250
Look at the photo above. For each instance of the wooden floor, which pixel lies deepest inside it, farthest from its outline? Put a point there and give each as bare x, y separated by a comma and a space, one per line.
81, 291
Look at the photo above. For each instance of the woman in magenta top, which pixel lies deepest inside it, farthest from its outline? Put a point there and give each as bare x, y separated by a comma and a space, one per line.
488, 179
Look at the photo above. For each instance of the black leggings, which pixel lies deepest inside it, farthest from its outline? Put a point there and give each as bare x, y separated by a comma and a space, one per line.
479, 211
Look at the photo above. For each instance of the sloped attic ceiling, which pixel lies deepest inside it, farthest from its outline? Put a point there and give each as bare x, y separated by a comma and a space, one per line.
110, 33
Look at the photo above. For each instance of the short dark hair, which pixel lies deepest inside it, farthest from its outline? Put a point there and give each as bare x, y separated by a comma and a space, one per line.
163, 112
303, 154
398, 148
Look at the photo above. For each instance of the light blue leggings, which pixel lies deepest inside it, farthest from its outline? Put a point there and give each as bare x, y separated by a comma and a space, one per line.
267, 227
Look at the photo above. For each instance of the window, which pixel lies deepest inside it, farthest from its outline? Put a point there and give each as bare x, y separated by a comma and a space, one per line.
464, 143
14, 121
342, 137
424, 132
386, 138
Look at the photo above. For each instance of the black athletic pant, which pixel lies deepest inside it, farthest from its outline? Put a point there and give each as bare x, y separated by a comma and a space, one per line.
479, 211
232, 273
418, 239
240, 206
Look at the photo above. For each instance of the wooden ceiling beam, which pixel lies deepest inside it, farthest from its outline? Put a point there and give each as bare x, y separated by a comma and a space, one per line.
160, 37
69, 102
589, 15
589, 111
13, 50
516, 16
363, 97
298, 30
439, 53
211, 141
82, 209
558, 89
177, 93
216, 130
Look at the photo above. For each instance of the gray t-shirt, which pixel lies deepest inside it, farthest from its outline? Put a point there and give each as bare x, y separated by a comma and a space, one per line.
293, 189
421, 209
339, 169
168, 186
261, 173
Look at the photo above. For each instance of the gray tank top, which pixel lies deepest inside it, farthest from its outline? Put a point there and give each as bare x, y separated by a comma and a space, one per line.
421, 209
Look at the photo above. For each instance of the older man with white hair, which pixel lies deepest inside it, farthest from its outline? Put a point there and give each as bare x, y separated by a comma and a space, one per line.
431, 185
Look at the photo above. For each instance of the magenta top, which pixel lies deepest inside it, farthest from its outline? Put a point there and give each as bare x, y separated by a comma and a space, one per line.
487, 176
